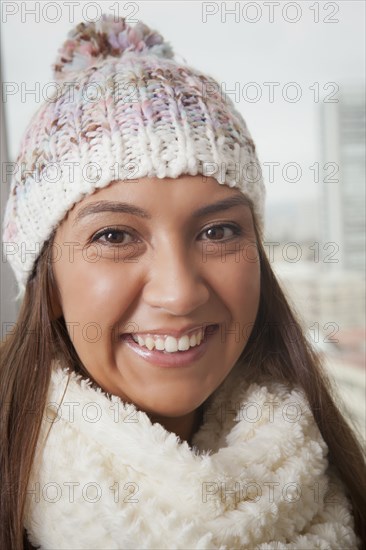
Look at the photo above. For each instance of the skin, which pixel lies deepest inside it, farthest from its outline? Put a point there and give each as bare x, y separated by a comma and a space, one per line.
173, 273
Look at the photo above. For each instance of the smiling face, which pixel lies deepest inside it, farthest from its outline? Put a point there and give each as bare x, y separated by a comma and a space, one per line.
146, 258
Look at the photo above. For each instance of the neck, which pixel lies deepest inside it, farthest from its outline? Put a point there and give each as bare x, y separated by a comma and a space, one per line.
183, 426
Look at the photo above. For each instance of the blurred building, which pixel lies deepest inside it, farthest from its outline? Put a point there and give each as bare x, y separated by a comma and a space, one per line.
343, 207
325, 280
325, 298
343, 192
330, 307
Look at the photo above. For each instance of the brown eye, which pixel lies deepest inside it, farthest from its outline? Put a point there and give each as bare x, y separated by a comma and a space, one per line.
217, 232
113, 236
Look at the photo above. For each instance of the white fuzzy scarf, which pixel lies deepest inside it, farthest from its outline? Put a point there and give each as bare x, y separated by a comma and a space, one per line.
256, 476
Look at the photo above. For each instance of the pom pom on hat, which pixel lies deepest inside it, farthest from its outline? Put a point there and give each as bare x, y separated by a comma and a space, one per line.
90, 43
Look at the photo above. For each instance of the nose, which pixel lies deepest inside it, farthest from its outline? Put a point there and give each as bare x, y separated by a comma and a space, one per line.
176, 283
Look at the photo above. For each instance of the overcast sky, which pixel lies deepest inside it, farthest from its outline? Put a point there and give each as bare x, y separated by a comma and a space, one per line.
324, 43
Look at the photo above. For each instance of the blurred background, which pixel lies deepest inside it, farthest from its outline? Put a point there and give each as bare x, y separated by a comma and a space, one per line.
296, 71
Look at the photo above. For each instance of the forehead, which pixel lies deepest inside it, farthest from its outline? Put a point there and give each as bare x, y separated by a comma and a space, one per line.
154, 195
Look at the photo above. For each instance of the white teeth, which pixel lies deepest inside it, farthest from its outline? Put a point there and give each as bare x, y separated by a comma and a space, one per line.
183, 343
149, 343
159, 344
170, 344
193, 340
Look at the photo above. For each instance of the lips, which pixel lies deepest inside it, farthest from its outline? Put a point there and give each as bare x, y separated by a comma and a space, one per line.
164, 358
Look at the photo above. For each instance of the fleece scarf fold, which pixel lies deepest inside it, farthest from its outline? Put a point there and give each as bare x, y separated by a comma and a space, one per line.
255, 477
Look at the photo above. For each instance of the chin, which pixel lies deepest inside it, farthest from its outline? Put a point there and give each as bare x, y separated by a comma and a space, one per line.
168, 408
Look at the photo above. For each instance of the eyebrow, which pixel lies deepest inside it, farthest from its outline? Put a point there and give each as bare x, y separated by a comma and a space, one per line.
126, 208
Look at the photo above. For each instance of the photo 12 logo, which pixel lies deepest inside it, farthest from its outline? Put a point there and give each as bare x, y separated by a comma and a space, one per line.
70, 11
271, 92
269, 12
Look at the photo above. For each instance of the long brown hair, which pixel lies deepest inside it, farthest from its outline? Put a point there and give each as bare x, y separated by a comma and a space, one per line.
271, 351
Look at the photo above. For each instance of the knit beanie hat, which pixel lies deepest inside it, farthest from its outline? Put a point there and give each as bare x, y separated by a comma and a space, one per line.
122, 108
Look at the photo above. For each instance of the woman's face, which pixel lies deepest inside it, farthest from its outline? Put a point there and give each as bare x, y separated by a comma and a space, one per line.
141, 257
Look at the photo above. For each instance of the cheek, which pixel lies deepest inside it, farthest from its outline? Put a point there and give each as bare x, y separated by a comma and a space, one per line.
243, 301
240, 290
94, 292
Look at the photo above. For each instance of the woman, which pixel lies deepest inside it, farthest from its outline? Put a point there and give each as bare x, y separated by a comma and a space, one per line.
158, 391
